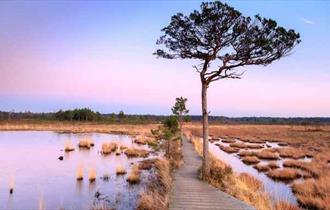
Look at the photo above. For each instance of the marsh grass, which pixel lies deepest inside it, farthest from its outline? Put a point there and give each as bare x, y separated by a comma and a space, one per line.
250, 160
285, 174
80, 173
313, 193
85, 144
267, 154
290, 152
229, 149
262, 167
157, 195
92, 175
134, 152
134, 176
120, 170
68, 146
108, 148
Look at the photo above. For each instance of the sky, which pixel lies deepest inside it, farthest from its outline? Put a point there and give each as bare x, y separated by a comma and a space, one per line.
98, 54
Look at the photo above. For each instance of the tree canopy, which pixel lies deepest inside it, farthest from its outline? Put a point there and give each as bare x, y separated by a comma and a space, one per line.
219, 32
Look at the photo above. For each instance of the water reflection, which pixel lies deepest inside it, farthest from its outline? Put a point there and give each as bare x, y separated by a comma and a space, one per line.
277, 190
33, 157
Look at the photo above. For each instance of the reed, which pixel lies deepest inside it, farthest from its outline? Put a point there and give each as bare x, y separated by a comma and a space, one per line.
250, 160
92, 175
84, 144
134, 152
11, 185
68, 146
108, 148
120, 170
80, 173
134, 175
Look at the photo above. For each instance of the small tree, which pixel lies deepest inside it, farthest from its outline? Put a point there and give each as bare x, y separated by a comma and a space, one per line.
219, 33
171, 127
121, 115
180, 110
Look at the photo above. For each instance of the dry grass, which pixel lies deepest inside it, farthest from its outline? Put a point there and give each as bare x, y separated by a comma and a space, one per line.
144, 140
250, 160
313, 193
81, 127
134, 152
108, 148
146, 164
289, 152
134, 176
273, 165
285, 174
267, 154
92, 175
157, 195
229, 149
243, 153
244, 187
239, 145
254, 146
80, 173
228, 140
293, 164
120, 170
282, 205
68, 146
262, 167
85, 143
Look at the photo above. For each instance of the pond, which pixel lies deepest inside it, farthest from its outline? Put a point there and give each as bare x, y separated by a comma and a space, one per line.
29, 163
277, 190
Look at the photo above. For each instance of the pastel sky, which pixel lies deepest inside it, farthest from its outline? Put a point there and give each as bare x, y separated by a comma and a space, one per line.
66, 54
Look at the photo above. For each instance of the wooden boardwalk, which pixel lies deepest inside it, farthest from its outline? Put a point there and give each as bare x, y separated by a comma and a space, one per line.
189, 192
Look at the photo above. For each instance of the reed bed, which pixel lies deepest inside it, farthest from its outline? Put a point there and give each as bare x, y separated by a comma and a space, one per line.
92, 175
134, 152
68, 147
80, 173
285, 174
85, 143
120, 170
134, 176
229, 149
267, 154
250, 160
108, 148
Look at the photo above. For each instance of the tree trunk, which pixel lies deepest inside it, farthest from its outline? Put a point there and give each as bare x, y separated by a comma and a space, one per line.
205, 164
180, 127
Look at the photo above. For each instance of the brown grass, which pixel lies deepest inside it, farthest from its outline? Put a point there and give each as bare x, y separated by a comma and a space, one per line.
238, 145
157, 195
285, 174
273, 165
313, 193
254, 146
134, 152
120, 170
92, 175
262, 167
108, 148
289, 152
134, 176
250, 160
293, 164
146, 164
80, 173
85, 143
228, 140
229, 149
68, 146
244, 187
267, 154
243, 153
282, 205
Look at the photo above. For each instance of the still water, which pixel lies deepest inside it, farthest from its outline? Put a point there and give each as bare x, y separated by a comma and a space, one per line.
277, 190
29, 163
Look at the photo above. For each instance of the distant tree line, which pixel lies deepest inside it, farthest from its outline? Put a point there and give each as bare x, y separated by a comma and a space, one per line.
86, 114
